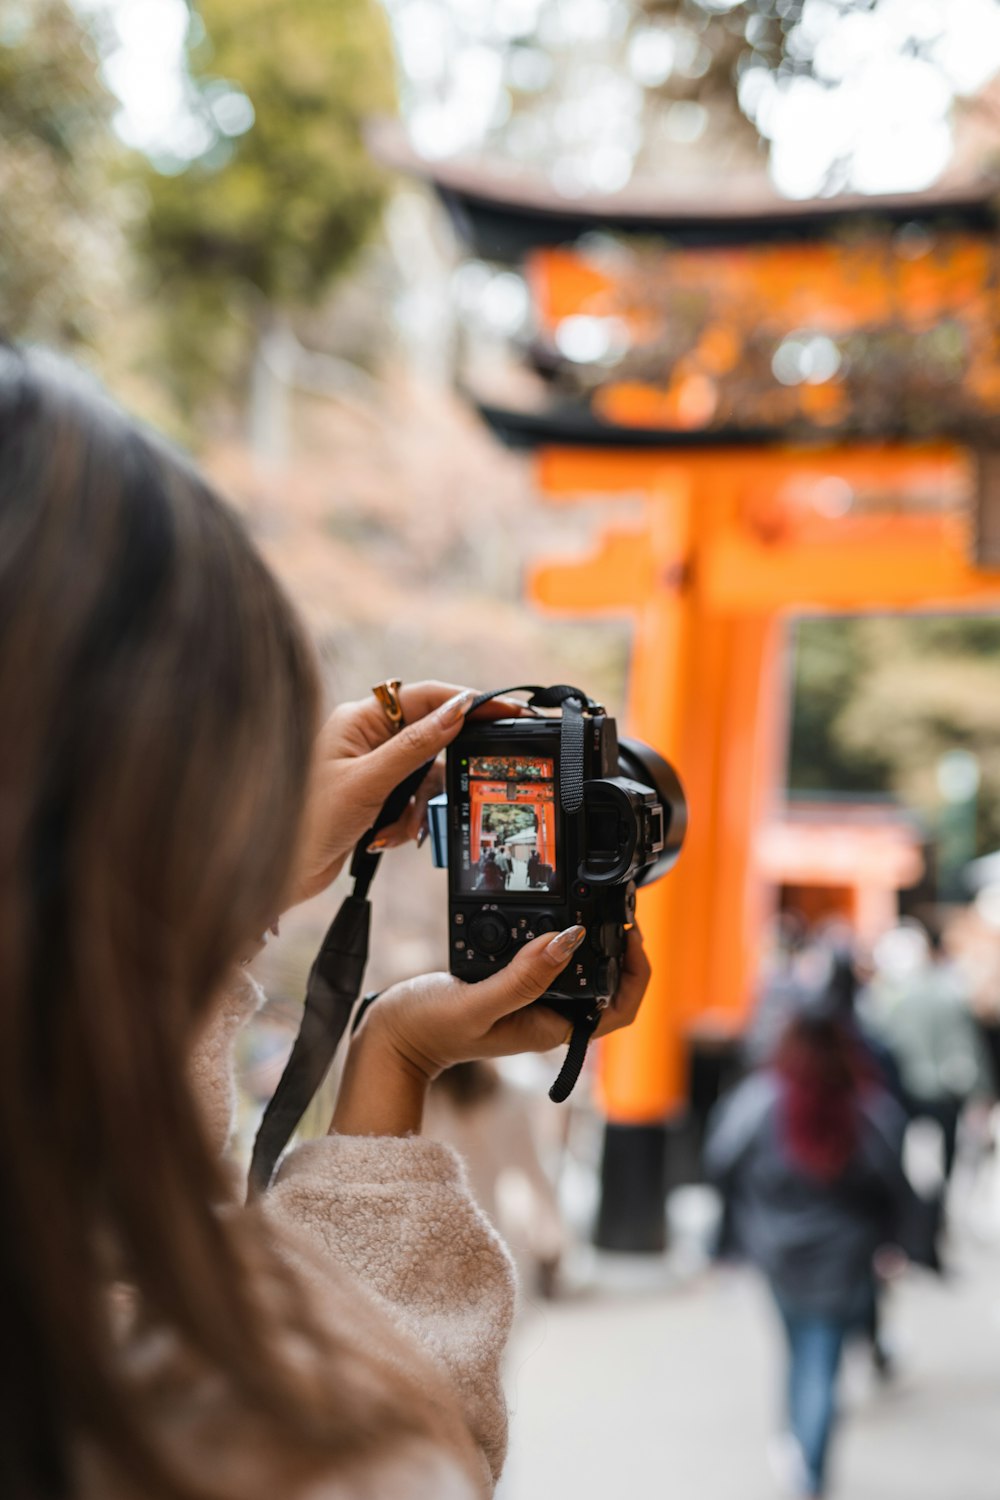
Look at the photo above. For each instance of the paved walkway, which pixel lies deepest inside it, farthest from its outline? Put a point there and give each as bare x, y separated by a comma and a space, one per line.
671, 1393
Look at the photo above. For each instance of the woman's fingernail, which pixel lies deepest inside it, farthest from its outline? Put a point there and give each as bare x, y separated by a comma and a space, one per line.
421, 836
456, 708
563, 945
376, 845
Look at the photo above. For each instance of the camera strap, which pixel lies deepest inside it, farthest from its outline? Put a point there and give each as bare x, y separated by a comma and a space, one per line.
331, 992
574, 703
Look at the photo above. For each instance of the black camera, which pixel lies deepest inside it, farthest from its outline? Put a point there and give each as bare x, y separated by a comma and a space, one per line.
528, 852
547, 823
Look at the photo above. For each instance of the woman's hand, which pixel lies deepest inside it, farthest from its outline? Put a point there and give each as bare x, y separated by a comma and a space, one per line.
359, 760
420, 1027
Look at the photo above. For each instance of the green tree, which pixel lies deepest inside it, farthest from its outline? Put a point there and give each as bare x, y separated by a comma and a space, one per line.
58, 242
831, 662
282, 194
879, 699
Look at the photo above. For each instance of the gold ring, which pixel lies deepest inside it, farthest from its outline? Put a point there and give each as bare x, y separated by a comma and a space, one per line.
387, 697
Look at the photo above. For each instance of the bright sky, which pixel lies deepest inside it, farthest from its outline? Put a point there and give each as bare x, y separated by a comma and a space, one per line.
887, 112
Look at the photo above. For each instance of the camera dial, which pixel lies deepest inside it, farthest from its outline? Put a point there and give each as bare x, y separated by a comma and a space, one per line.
489, 932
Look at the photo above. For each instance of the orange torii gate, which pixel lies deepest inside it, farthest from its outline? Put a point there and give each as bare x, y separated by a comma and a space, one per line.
804, 399
708, 592
708, 585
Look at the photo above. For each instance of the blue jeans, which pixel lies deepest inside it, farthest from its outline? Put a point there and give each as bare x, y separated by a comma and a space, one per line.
815, 1345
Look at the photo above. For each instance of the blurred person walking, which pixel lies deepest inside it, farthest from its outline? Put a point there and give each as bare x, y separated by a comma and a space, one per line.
805, 964
808, 1155
836, 977
974, 941
166, 791
920, 1006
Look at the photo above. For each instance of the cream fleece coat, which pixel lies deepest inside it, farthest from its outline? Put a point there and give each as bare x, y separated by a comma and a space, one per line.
395, 1254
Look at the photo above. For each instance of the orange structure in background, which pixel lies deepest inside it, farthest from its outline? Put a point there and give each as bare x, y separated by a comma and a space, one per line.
691, 324
805, 400
842, 861
708, 578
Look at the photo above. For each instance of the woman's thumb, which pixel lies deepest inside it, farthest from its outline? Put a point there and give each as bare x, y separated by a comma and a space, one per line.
528, 975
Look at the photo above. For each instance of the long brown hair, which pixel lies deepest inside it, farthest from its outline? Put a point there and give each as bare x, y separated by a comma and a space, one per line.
158, 705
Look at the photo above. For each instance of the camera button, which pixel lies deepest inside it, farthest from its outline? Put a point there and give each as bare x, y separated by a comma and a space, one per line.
545, 924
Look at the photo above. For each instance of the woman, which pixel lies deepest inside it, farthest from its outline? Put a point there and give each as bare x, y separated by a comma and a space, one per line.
163, 796
808, 1155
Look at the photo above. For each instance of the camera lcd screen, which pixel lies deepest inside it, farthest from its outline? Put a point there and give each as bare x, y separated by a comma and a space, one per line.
508, 826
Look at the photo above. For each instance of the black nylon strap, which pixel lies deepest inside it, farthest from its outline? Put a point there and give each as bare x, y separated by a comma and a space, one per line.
573, 1062
332, 988
334, 985
571, 756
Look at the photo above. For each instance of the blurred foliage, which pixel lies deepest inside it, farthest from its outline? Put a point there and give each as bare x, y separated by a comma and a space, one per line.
878, 700
831, 661
602, 93
737, 46
58, 239
725, 44
767, 34
576, 94
283, 195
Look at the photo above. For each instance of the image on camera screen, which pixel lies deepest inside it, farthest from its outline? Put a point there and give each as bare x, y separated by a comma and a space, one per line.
508, 825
